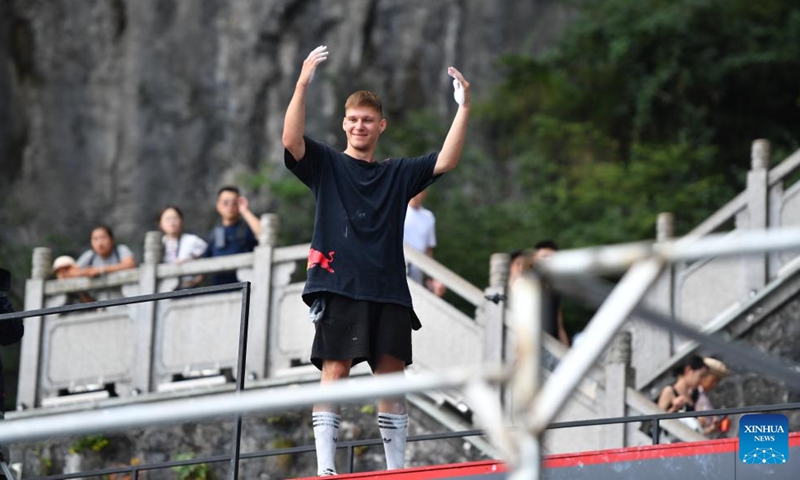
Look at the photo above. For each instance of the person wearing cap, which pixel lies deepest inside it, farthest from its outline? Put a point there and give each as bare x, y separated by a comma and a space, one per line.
66, 267
716, 372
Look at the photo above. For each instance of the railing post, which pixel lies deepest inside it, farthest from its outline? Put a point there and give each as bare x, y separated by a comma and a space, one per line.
493, 316
757, 212
499, 264
258, 331
653, 345
665, 226
30, 354
494, 309
145, 315
269, 229
619, 376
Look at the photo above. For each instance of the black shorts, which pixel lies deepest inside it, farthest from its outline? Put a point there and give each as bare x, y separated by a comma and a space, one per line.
362, 330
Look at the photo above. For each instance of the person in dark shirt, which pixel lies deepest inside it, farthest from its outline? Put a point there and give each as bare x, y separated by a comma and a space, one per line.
356, 278
237, 231
10, 333
554, 323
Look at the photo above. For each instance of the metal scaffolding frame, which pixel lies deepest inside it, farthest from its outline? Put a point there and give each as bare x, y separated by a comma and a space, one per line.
535, 405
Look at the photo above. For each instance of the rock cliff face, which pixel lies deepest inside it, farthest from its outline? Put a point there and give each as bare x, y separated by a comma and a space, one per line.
110, 110
778, 337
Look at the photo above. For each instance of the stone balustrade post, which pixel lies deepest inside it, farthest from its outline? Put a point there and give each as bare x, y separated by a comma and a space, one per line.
153, 248
665, 226
499, 264
269, 229
756, 215
653, 345
145, 315
30, 353
618, 376
42, 263
260, 297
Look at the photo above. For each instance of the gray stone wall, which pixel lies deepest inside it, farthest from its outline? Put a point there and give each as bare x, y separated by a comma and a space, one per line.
291, 429
109, 110
779, 337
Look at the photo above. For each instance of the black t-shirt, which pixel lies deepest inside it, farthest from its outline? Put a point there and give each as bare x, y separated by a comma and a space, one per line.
357, 246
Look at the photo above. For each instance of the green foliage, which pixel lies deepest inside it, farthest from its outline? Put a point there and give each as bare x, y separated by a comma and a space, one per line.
45, 466
642, 107
91, 443
197, 471
367, 409
292, 201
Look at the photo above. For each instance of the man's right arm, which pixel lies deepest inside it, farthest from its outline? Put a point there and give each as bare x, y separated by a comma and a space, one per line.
294, 124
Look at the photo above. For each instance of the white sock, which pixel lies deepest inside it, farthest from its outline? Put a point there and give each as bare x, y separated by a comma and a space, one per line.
326, 434
394, 430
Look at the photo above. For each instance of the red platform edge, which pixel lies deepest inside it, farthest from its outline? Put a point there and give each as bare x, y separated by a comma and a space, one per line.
564, 460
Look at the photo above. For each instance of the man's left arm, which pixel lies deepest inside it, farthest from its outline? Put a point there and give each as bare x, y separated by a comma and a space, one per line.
454, 142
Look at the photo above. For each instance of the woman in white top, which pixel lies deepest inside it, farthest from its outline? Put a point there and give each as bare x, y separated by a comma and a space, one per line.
178, 246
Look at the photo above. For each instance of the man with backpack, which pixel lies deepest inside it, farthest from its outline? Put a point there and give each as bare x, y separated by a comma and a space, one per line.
237, 232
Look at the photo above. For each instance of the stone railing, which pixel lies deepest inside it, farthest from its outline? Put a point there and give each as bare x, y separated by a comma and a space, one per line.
175, 347
702, 292
148, 348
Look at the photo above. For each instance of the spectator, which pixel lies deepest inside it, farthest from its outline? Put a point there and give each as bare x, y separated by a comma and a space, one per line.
237, 231
544, 250
419, 232
179, 246
554, 324
520, 262
66, 267
678, 396
104, 257
716, 372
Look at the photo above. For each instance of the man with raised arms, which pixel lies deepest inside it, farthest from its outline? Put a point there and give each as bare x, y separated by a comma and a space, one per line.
356, 280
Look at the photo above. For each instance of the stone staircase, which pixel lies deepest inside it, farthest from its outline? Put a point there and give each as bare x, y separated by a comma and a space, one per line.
142, 352
732, 296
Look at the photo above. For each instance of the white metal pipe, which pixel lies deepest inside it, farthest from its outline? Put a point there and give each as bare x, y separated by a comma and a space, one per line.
616, 258
598, 335
248, 401
526, 322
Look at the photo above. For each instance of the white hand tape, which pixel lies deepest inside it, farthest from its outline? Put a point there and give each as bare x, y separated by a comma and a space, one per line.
321, 53
458, 92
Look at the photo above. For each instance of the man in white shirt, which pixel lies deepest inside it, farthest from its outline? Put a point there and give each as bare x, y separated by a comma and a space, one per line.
420, 234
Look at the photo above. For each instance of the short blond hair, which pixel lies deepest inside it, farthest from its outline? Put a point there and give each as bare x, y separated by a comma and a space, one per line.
364, 98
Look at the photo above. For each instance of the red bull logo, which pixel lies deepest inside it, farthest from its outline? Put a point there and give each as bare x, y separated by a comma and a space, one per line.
319, 259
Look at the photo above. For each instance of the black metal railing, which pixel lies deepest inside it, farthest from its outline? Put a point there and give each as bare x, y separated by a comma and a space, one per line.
235, 456
351, 445
244, 287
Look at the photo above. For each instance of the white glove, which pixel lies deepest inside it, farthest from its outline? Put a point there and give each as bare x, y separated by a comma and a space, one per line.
458, 92
317, 56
